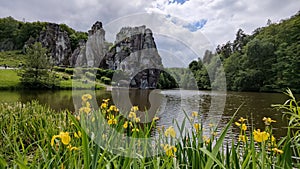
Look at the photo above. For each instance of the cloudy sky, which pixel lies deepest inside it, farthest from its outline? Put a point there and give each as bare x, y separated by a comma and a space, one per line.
186, 21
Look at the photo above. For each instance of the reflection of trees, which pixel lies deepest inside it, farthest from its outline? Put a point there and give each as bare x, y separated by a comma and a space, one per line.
57, 100
140, 98
205, 104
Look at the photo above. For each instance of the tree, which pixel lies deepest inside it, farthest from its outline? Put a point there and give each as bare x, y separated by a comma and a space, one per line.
37, 71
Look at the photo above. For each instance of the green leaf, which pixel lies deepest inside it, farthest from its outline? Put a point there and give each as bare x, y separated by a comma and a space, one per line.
219, 143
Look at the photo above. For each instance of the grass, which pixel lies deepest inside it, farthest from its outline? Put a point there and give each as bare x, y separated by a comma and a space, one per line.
34, 136
12, 58
79, 84
9, 79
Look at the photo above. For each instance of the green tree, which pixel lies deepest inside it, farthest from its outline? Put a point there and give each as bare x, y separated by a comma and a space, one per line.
37, 71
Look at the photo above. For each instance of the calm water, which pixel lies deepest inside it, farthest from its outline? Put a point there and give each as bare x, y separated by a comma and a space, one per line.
214, 107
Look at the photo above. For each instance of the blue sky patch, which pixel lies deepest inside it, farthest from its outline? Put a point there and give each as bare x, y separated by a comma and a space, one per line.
193, 27
178, 1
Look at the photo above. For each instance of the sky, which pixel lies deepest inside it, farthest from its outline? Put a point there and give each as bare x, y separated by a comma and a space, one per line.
194, 23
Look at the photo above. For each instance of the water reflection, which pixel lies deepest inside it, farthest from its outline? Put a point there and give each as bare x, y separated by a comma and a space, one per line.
171, 105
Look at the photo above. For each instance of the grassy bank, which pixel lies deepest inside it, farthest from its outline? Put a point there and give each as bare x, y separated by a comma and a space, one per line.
34, 136
9, 79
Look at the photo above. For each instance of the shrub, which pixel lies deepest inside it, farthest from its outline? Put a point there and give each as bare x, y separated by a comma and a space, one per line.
90, 75
66, 77
69, 71
105, 80
59, 69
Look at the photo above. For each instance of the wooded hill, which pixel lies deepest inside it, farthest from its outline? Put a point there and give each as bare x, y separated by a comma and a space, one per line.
266, 60
14, 34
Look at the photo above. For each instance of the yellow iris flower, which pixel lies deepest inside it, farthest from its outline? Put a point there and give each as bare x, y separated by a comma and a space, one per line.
277, 151
243, 138
244, 127
77, 135
170, 132
125, 125
194, 114
135, 108
104, 105
242, 120
86, 97
135, 129
155, 118
64, 137
260, 136
197, 126
170, 150
268, 121
112, 120
87, 110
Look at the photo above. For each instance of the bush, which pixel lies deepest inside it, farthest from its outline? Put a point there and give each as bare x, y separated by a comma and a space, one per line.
59, 69
69, 71
58, 76
66, 77
105, 80
104, 72
90, 75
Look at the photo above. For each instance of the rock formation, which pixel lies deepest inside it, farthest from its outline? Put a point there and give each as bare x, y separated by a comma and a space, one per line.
134, 52
57, 42
93, 51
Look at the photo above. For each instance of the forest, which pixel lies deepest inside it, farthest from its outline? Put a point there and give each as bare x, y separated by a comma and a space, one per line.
268, 60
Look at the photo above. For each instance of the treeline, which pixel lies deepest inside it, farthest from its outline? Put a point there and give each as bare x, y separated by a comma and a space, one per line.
267, 60
14, 34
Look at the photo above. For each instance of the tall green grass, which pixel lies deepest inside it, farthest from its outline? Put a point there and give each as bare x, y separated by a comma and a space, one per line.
27, 131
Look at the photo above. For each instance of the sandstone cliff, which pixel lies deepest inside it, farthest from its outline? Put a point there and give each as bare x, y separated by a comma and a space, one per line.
57, 42
134, 53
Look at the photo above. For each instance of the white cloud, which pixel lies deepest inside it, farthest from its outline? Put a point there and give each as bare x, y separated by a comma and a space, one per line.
225, 17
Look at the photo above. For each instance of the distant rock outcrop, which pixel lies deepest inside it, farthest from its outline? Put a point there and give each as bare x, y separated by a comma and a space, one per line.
57, 42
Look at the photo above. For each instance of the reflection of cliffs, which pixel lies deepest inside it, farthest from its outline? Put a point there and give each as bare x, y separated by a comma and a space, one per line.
135, 53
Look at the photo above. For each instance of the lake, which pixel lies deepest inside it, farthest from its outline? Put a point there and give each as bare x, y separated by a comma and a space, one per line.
213, 107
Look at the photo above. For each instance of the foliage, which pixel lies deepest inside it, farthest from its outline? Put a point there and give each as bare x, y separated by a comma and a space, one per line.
105, 80
267, 60
166, 81
69, 71
14, 34
90, 76
12, 58
36, 73
58, 69
291, 109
